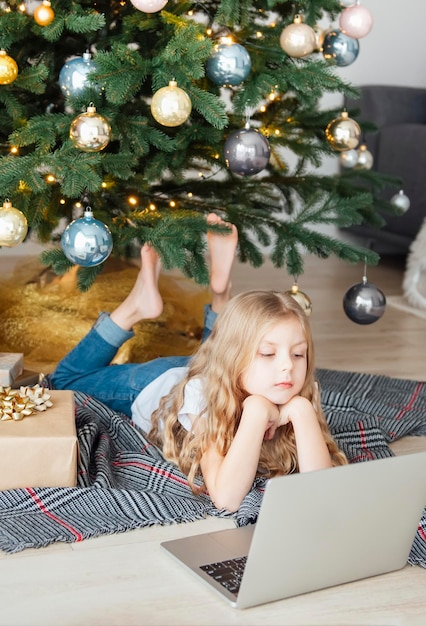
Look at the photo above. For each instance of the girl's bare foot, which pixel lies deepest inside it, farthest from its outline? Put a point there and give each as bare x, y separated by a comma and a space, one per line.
222, 254
144, 301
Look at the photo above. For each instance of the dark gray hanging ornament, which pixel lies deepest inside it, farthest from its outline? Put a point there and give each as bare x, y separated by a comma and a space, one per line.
364, 303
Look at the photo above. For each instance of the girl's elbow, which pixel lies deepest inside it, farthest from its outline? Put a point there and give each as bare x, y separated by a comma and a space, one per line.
227, 502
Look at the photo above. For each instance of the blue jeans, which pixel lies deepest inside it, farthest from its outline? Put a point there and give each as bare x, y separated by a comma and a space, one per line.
88, 366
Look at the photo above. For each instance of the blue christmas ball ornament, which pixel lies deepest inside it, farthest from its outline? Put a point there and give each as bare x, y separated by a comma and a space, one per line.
73, 75
86, 241
246, 152
339, 47
229, 64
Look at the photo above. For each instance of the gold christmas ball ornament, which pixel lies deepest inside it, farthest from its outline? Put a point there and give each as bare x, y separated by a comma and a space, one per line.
343, 133
298, 39
43, 14
171, 105
8, 68
301, 298
13, 225
90, 131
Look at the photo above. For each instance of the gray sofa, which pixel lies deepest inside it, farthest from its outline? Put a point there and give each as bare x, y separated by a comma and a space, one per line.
399, 149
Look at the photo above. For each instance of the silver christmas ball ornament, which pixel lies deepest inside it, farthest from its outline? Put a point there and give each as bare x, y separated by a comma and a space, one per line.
364, 303
246, 152
401, 201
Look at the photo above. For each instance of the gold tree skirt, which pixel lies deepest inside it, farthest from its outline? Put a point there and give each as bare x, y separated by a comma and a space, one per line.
44, 316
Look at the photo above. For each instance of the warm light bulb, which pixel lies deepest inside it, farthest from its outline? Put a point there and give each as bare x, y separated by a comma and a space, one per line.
189, 194
172, 203
132, 200
14, 150
62, 201
152, 207
209, 32
262, 108
50, 179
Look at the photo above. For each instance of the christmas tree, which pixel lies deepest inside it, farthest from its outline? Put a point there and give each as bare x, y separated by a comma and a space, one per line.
153, 114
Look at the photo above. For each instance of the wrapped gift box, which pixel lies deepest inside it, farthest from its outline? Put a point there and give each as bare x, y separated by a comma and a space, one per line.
28, 377
41, 450
11, 366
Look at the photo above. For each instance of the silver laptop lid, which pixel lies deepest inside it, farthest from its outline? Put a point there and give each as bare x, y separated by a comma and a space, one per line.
329, 527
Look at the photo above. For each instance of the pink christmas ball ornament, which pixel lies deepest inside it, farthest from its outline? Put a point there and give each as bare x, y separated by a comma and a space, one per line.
149, 6
356, 21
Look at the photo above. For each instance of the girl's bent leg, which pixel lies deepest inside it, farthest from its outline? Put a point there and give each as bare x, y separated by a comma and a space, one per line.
94, 352
87, 367
209, 320
117, 386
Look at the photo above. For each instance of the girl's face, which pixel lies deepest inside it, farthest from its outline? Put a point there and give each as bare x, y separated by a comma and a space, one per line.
278, 370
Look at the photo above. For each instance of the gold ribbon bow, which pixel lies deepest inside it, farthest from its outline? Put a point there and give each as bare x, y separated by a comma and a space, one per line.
15, 404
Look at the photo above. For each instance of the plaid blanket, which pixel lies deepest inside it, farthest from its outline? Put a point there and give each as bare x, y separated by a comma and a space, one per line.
124, 482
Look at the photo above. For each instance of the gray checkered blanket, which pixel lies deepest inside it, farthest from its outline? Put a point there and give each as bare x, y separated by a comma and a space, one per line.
124, 482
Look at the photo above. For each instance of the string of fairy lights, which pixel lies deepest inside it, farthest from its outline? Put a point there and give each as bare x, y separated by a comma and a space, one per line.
297, 40
246, 151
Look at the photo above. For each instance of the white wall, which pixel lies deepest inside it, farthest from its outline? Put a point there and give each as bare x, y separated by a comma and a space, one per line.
393, 53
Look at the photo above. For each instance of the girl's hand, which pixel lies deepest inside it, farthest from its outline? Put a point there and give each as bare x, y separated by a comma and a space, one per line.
294, 409
266, 410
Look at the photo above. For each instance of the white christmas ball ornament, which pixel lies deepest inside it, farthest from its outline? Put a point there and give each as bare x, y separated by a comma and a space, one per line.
356, 21
401, 200
149, 6
13, 225
349, 158
365, 158
347, 3
298, 39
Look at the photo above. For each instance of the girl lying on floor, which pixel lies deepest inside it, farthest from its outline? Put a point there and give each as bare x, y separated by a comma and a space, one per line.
245, 405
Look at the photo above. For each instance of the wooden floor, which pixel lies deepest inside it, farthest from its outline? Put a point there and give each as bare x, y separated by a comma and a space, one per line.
395, 345
127, 579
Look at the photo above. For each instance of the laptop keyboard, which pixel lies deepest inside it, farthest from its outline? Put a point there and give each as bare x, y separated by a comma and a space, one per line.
228, 573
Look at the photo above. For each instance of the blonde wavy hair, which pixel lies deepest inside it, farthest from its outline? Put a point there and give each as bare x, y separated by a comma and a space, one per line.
219, 363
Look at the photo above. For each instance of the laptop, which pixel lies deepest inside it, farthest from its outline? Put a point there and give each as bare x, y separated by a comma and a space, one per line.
314, 530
